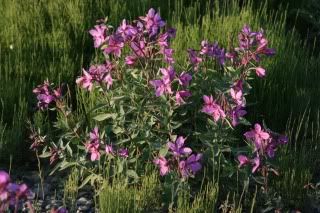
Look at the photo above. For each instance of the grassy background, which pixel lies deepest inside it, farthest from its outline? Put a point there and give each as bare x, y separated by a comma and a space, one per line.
49, 39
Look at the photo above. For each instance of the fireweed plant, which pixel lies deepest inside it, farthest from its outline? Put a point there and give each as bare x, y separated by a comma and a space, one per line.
148, 108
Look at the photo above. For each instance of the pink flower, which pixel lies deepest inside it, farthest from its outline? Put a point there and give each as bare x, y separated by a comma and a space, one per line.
237, 96
184, 79
98, 34
86, 81
211, 108
161, 87
127, 31
108, 80
153, 22
163, 164
257, 135
181, 95
115, 45
130, 60
256, 164
93, 145
243, 160
93, 149
4, 180
109, 149
260, 72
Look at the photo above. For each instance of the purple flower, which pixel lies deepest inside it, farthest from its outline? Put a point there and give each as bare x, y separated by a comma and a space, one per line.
184, 79
178, 148
62, 210
115, 45
163, 164
194, 59
45, 95
86, 81
127, 31
181, 95
213, 50
161, 87
153, 22
168, 55
163, 40
246, 38
237, 113
257, 135
172, 32
139, 48
98, 72
211, 108
168, 74
98, 34
190, 166
123, 152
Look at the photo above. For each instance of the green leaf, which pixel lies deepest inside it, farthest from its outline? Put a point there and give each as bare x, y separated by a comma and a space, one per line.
66, 164
45, 155
90, 178
132, 174
117, 130
163, 151
120, 166
104, 116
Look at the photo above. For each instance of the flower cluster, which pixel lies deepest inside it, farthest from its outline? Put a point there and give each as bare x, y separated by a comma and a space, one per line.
11, 193
46, 94
181, 158
94, 147
252, 45
163, 85
265, 144
143, 39
100, 74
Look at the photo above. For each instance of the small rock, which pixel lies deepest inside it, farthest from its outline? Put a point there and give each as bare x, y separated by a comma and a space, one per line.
82, 201
84, 208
